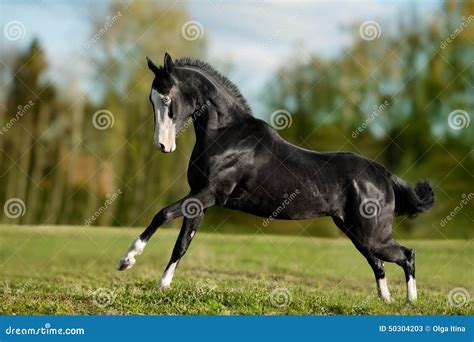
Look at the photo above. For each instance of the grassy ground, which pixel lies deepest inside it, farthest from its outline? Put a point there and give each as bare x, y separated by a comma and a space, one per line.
71, 270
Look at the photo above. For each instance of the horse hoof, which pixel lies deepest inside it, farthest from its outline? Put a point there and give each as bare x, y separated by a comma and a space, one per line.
388, 300
126, 264
163, 285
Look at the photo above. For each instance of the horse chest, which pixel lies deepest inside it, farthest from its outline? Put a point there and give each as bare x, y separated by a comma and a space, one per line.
197, 176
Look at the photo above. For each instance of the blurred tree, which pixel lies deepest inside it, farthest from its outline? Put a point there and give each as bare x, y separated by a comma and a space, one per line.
388, 99
25, 101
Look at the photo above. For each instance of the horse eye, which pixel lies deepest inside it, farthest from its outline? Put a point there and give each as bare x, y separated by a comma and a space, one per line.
166, 100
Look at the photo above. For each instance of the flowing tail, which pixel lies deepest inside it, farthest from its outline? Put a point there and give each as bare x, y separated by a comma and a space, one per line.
409, 201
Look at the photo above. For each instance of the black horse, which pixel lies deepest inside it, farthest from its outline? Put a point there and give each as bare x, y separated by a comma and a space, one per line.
240, 162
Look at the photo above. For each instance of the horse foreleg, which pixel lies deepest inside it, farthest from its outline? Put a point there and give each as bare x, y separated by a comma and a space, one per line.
188, 230
199, 201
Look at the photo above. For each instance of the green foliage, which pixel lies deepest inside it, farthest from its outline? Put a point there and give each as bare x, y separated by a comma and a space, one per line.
59, 164
64, 169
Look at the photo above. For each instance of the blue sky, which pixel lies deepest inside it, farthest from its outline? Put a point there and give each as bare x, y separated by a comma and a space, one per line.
257, 38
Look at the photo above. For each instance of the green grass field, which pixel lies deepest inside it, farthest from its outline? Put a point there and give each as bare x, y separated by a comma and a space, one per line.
71, 270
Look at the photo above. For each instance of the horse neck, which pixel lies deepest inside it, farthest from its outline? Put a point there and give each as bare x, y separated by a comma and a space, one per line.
212, 121
217, 109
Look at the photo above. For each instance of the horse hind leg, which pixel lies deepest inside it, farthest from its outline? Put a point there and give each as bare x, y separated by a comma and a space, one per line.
378, 236
375, 237
376, 264
379, 272
404, 257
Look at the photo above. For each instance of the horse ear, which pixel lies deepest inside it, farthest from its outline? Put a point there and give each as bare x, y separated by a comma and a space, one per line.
151, 65
168, 63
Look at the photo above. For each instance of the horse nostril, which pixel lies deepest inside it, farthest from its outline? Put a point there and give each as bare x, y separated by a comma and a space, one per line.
162, 147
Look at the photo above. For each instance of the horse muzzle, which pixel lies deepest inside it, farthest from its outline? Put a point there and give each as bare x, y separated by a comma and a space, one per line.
165, 148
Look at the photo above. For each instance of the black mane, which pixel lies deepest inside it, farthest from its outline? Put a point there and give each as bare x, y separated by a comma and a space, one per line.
231, 87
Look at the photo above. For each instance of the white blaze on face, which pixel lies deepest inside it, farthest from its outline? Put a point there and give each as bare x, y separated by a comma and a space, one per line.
165, 130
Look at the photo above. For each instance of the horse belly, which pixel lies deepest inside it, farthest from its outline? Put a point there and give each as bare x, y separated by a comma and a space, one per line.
296, 205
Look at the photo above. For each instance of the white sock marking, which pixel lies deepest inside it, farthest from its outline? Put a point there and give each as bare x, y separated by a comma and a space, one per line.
137, 246
411, 289
135, 249
382, 287
168, 276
